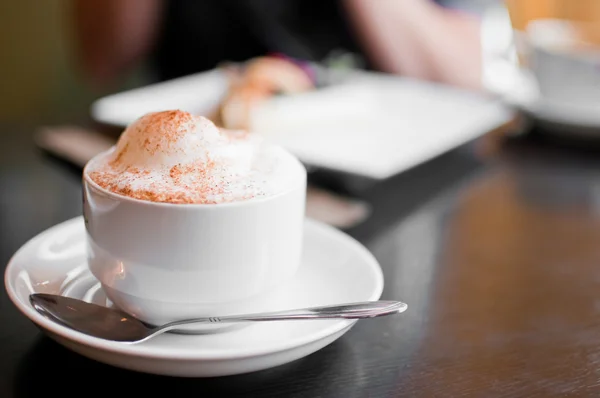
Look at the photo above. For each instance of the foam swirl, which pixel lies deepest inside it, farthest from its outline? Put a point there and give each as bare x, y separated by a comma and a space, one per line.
176, 157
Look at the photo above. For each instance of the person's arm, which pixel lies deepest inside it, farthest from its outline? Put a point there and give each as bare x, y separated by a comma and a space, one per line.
418, 38
111, 36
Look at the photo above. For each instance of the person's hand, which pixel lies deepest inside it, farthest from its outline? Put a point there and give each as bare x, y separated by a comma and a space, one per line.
112, 36
420, 39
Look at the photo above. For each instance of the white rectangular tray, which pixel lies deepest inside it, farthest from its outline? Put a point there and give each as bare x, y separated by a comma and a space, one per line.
373, 125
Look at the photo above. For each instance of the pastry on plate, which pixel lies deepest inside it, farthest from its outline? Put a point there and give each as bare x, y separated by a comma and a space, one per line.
257, 81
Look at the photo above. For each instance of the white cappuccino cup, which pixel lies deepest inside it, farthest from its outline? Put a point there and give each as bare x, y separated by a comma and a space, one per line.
163, 262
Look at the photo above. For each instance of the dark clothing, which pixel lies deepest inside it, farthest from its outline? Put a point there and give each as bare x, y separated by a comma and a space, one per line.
197, 35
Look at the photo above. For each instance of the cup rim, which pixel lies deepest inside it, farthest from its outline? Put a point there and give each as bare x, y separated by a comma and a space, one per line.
534, 28
246, 202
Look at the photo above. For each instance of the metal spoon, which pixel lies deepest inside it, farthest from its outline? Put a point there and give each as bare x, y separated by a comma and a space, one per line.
116, 325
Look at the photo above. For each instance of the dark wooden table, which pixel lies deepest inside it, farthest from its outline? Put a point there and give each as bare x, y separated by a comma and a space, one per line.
496, 248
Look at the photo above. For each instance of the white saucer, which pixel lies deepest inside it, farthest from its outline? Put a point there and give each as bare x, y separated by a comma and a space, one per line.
564, 115
335, 269
585, 120
522, 92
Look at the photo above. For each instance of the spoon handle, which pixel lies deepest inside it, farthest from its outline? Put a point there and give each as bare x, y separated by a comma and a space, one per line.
366, 309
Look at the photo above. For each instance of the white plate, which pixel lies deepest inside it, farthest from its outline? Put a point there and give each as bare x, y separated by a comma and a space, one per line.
373, 125
335, 269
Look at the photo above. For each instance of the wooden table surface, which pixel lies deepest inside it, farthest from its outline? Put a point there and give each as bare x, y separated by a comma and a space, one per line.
495, 248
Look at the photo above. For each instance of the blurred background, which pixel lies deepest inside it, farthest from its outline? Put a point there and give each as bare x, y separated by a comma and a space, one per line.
39, 73
42, 78
380, 98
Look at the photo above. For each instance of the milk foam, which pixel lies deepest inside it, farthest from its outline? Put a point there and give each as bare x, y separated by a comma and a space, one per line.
177, 157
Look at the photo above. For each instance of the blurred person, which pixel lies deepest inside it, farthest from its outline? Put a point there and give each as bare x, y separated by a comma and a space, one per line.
416, 38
